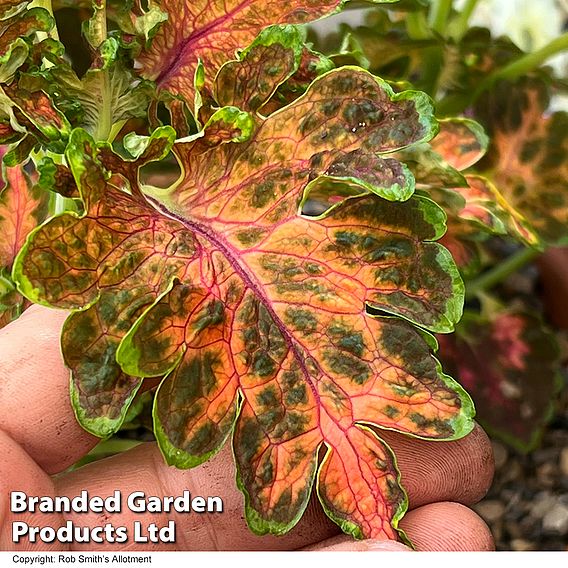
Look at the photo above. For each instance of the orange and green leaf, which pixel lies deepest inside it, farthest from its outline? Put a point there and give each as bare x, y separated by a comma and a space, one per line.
527, 162
459, 144
479, 208
261, 68
272, 72
9, 8
21, 24
22, 208
113, 223
290, 332
37, 108
510, 365
211, 31
57, 178
474, 206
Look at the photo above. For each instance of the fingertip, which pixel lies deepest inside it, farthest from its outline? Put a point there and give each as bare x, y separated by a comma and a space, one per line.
447, 527
50, 318
36, 331
432, 471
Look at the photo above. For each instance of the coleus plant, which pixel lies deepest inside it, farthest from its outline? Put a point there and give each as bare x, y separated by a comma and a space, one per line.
301, 336
286, 285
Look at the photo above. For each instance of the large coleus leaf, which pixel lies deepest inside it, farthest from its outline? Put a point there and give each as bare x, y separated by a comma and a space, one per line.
510, 365
257, 315
212, 31
22, 208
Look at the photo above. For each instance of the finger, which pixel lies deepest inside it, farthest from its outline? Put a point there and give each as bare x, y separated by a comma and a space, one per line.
35, 409
18, 472
437, 527
459, 471
346, 543
447, 527
143, 469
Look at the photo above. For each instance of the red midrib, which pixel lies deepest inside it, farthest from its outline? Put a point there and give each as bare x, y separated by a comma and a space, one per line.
249, 279
194, 37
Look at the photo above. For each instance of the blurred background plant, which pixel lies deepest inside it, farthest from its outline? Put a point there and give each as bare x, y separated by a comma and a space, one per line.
503, 64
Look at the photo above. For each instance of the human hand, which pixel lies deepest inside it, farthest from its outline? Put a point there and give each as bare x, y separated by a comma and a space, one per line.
40, 437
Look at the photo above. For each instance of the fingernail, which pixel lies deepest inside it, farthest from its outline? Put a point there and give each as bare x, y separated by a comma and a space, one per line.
386, 546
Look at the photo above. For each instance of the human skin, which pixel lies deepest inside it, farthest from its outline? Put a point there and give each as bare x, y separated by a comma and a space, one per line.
40, 438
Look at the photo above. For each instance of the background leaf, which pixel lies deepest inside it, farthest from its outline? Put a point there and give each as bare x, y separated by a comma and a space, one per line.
22, 208
527, 161
510, 365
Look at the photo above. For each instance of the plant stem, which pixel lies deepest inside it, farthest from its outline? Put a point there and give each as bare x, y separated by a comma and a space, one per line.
55, 204
45, 4
417, 26
439, 15
59, 204
98, 24
113, 446
462, 22
104, 125
525, 63
418, 29
98, 34
501, 272
533, 60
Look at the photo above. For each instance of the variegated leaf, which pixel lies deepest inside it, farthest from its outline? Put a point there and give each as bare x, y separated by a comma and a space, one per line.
292, 332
